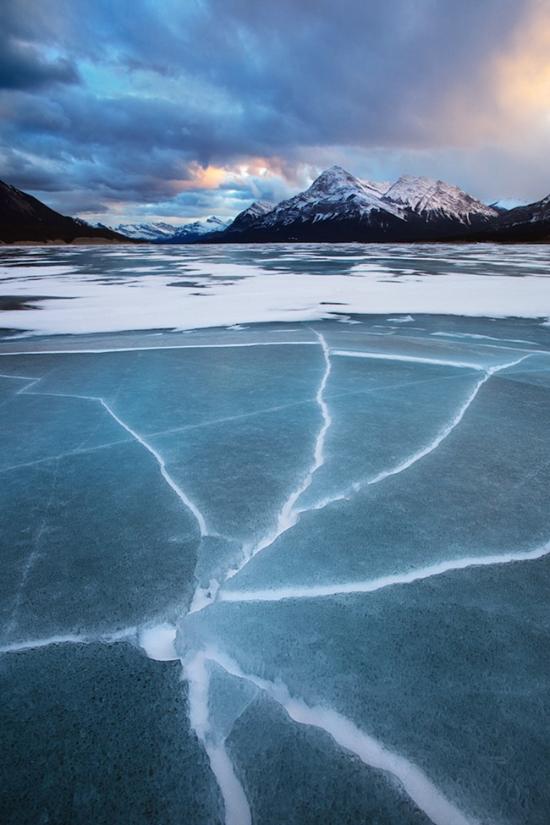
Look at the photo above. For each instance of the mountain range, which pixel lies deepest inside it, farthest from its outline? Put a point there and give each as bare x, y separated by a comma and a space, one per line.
337, 207
340, 207
170, 233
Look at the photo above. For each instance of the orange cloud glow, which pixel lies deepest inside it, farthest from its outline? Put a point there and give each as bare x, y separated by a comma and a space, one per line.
202, 177
523, 75
510, 102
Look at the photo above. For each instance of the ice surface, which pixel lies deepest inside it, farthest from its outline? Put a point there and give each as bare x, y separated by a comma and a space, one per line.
316, 781
92, 543
100, 734
451, 672
489, 498
340, 529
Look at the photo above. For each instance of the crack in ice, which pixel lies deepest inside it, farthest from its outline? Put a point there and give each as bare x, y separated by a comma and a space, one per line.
416, 359
70, 638
424, 451
159, 348
33, 555
289, 514
18, 377
237, 809
380, 583
183, 497
426, 796
31, 382
69, 454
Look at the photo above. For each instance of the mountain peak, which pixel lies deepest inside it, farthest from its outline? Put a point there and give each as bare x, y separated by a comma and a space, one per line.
262, 206
333, 180
428, 195
256, 210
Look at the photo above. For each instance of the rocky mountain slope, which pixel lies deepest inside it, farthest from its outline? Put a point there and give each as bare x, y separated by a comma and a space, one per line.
340, 207
523, 224
26, 219
249, 216
435, 200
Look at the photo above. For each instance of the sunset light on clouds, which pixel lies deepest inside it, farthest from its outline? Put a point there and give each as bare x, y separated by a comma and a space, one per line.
188, 109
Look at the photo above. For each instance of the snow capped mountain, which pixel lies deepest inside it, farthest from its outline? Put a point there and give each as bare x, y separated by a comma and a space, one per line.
435, 199
169, 233
531, 213
191, 231
335, 195
146, 231
252, 213
339, 207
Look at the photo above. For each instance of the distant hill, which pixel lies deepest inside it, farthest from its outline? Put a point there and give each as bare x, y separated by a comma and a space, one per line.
523, 224
26, 219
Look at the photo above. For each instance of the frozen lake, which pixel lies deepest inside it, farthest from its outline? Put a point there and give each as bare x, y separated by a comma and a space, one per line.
275, 535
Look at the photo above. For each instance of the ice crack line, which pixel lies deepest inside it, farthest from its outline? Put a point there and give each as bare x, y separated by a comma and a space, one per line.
237, 809
289, 513
372, 585
102, 351
183, 497
426, 796
424, 451
33, 555
34, 644
31, 381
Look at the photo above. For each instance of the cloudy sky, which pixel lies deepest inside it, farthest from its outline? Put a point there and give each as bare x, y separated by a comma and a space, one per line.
168, 109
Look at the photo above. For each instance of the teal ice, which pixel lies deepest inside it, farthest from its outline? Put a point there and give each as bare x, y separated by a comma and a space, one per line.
277, 574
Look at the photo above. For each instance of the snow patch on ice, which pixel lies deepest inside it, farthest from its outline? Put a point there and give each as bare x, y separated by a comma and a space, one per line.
246, 293
158, 642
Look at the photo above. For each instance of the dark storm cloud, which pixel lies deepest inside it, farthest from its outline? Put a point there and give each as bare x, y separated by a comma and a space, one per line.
22, 67
167, 85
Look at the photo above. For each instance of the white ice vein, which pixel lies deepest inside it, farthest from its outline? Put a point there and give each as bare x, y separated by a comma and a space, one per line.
424, 451
372, 585
33, 555
237, 810
289, 513
347, 735
184, 498
69, 638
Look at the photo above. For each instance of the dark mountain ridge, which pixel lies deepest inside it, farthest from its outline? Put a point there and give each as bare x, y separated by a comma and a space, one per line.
25, 219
